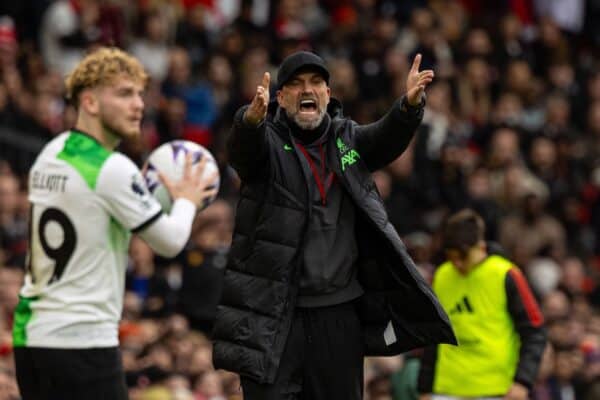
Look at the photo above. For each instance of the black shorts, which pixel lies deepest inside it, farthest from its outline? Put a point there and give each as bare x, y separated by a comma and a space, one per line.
65, 374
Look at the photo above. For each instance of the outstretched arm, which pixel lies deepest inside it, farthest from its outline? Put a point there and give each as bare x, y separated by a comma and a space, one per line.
383, 141
246, 143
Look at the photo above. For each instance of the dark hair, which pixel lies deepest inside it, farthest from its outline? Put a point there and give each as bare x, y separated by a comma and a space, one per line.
463, 230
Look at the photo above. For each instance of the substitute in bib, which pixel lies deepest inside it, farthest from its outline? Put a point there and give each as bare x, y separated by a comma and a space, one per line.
496, 319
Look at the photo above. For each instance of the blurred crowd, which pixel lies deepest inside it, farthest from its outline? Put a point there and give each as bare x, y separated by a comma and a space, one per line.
511, 129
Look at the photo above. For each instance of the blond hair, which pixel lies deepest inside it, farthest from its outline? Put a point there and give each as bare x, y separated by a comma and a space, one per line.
101, 67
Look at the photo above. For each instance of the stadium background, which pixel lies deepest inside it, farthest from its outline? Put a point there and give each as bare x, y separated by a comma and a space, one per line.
511, 129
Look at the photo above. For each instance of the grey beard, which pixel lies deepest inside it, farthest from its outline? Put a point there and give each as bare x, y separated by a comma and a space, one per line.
307, 125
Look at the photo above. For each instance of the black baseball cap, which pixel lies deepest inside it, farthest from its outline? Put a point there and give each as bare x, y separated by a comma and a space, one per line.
301, 60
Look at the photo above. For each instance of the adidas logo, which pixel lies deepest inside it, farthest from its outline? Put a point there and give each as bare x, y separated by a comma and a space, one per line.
462, 306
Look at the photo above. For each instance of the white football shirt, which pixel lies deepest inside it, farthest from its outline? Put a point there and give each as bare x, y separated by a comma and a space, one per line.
85, 200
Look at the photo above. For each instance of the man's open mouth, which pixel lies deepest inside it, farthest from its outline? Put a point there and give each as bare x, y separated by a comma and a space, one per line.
308, 106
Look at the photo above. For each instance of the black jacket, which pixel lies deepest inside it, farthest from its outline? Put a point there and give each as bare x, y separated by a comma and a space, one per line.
398, 310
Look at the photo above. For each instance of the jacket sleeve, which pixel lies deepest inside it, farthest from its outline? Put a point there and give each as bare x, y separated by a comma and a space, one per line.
529, 323
427, 370
381, 142
247, 146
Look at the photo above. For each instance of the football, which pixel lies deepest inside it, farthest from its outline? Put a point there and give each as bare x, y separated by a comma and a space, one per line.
169, 159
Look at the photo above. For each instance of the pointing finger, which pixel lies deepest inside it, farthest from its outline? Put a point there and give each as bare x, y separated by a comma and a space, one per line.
266, 81
416, 63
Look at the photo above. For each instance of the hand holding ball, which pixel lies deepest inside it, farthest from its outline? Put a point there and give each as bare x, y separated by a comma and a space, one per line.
185, 169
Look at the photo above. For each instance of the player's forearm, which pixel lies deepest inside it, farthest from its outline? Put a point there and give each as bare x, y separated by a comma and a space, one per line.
168, 234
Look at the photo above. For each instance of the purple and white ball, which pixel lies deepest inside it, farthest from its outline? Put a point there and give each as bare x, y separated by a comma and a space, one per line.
169, 159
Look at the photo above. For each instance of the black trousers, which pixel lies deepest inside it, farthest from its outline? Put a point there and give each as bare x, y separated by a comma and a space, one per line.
322, 358
70, 374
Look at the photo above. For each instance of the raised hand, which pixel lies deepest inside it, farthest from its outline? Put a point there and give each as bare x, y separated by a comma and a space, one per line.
257, 111
417, 81
193, 186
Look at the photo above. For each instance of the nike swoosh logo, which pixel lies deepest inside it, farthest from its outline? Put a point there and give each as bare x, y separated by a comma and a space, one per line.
287, 147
